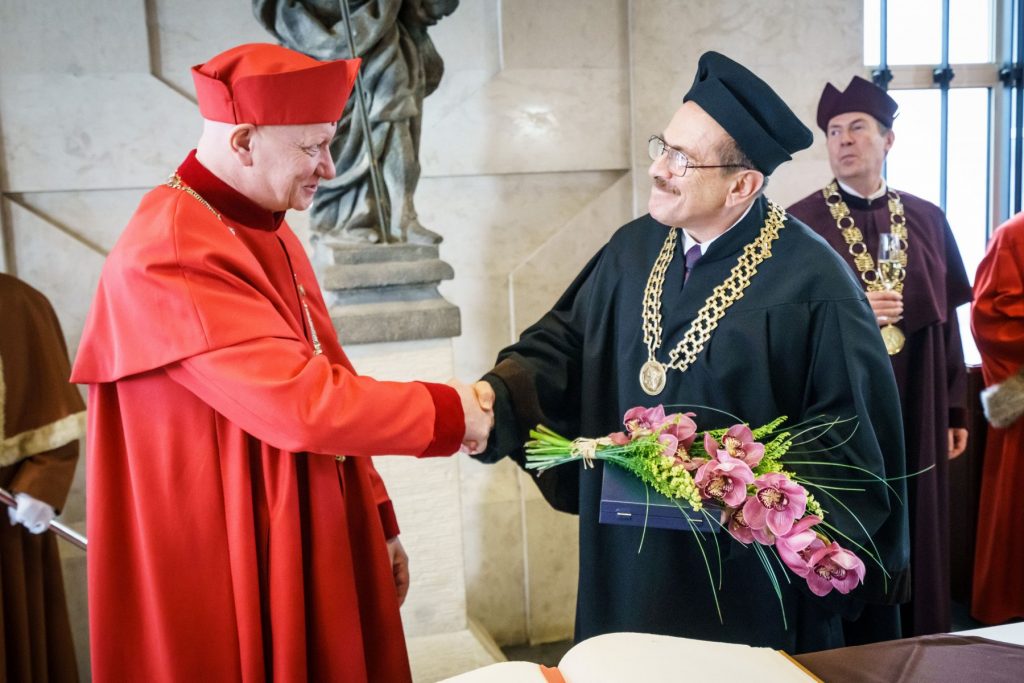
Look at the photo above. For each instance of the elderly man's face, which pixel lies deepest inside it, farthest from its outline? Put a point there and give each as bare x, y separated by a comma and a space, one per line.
857, 149
289, 162
696, 199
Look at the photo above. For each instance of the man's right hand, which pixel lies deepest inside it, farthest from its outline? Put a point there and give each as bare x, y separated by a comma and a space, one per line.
887, 306
479, 419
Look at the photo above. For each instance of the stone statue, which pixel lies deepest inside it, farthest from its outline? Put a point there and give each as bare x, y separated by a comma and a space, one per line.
400, 67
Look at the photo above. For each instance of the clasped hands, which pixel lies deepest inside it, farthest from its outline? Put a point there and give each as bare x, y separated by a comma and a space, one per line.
478, 408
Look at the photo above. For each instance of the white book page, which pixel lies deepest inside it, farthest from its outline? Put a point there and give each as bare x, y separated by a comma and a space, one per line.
623, 657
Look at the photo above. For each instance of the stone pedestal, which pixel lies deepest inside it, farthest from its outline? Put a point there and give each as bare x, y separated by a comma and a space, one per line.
383, 293
442, 639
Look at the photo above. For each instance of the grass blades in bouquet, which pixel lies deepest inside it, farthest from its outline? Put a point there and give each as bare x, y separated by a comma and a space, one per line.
740, 471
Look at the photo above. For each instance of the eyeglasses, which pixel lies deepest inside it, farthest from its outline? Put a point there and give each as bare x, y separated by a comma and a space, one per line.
678, 162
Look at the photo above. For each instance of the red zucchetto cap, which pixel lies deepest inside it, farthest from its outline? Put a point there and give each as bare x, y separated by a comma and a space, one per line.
860, 95
266, 84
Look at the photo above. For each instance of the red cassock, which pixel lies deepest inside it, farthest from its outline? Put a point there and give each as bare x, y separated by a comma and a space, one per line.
227, 542
997, 320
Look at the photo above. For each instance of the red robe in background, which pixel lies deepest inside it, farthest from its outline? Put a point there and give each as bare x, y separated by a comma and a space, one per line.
997, 320
227, 542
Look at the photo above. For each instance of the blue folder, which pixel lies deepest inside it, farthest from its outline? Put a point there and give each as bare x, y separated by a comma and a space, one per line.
628, 501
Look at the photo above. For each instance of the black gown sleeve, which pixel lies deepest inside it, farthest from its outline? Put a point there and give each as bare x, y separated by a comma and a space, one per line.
537, 381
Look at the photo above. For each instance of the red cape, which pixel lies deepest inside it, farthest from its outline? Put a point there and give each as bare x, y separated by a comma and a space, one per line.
226, 541
997, 320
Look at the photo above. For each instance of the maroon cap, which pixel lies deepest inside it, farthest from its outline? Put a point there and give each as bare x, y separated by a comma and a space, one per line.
262, 84
860, 95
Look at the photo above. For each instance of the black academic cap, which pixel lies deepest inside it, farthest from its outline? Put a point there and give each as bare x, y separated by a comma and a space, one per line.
763, 126
860, 95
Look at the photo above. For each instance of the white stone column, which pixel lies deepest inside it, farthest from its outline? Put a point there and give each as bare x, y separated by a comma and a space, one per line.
442, 639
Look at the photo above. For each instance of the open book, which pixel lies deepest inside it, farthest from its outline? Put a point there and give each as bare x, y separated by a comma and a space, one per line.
630, 657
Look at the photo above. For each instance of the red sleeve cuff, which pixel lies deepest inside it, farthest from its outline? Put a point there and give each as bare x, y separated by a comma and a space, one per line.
388, 520
449, 420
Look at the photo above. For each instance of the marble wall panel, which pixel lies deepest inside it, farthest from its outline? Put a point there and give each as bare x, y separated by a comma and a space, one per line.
537, 34
526, 121
98, 216
552, 582
92, 132
56, 264
796, 46
191, 31
425, 494
556, 262
70, 37
496, 567
469, 38
490, 224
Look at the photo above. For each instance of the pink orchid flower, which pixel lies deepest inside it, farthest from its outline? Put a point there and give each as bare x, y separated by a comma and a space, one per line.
735, 524
618, 438
642, 421
724, 479
778, 502
739, 443
796, 545
669, 445
682, 427
832, 566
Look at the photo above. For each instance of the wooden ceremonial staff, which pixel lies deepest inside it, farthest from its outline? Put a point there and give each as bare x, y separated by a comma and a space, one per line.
65, 532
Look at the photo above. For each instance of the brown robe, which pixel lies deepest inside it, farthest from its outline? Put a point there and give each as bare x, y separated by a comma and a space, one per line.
41, 419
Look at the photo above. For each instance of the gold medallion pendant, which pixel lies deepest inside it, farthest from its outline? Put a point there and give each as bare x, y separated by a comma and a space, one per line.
652, 377
894, 339
653, 373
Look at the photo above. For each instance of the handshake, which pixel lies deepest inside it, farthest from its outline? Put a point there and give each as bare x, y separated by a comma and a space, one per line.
478, 408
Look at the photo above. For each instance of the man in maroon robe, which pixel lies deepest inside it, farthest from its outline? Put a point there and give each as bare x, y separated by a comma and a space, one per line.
920, 326
238, 530
41, 420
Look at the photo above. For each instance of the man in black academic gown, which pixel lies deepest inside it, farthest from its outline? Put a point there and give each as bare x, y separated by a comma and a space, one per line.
918, 320
797, 340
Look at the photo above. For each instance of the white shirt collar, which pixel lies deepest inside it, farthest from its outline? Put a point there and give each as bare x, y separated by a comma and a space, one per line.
689, 241
874, 195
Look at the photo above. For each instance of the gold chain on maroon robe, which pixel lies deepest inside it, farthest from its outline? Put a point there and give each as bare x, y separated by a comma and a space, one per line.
653, 373
892, 336
175, 182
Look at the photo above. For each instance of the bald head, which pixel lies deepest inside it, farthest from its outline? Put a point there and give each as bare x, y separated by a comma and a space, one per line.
276, 167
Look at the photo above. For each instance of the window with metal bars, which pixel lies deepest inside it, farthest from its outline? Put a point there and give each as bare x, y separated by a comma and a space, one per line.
955, 68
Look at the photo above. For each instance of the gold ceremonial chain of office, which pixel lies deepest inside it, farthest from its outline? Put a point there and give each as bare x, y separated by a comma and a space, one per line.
653, 373
175, 182
892, 335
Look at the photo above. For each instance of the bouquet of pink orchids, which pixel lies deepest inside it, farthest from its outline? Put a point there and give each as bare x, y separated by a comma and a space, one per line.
737, 469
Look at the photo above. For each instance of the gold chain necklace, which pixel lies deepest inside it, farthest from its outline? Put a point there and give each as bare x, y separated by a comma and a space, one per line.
653, 373
892, 336
175, 182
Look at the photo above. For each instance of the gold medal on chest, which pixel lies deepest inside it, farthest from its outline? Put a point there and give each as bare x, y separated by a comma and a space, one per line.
894, 339
652, 377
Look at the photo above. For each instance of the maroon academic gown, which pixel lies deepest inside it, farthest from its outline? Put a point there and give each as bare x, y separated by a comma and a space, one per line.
930, 374
226, 540
997, 320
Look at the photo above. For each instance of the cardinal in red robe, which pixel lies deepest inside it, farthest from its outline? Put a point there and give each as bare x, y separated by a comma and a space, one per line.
997, 321
238, 530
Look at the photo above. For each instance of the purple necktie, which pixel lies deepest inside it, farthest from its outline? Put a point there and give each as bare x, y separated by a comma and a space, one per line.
692, 256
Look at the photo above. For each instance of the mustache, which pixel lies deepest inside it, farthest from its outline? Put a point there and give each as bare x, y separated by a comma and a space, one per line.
662, 184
